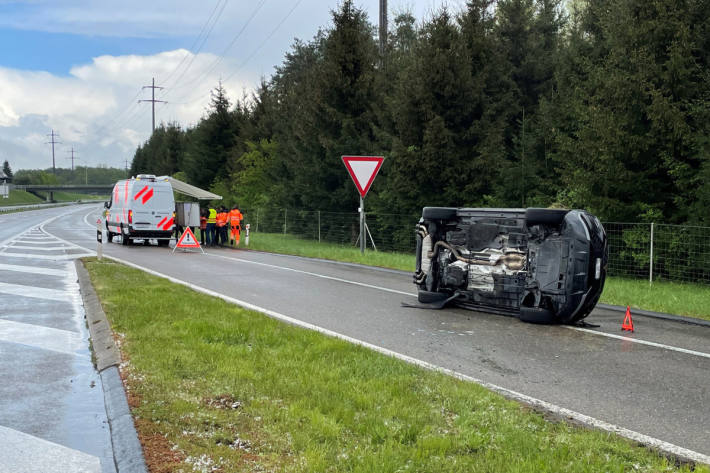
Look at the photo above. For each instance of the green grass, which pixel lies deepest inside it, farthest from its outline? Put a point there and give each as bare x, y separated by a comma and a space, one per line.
663, 296
20, 198
310, 403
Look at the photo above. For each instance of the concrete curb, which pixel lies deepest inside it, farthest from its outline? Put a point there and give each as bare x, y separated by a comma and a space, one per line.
127, 450
657, 315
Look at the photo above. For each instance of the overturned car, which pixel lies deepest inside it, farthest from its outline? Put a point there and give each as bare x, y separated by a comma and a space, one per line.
541, 265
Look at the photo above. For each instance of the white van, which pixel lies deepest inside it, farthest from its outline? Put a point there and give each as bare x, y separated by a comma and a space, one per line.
141, 208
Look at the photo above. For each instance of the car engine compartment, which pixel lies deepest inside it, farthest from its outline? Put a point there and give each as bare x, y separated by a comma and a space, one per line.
541, 265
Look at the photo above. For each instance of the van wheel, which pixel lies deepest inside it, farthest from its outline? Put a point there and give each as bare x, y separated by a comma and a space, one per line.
125, 241
109, 237
163, 242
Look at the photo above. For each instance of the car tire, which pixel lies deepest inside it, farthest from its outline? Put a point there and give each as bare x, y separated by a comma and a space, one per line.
163, 242
439, 213
125, 241
426, 297
537, 315
109, 237
545, 216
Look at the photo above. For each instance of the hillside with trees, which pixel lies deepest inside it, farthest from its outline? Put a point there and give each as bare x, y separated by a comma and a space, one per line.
509, 103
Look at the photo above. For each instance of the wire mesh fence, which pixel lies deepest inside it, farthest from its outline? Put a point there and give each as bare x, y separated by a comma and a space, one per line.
637, 250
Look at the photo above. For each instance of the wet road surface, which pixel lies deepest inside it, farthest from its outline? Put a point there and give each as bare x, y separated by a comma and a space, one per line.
52, 414
660, 390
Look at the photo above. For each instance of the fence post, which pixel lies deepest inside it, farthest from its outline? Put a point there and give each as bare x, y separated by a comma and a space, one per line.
650, 262
257, 220
319, 226
285, 215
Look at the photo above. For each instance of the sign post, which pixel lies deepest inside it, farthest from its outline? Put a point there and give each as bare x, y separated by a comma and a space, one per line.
362, 170
99, 240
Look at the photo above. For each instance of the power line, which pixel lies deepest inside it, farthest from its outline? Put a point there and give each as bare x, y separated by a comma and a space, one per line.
192, 59
152, 100
220, 58
258, 48
53, 142
197, 39
72, 157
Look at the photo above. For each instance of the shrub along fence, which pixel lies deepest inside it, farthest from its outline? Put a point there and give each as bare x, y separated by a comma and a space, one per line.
638, 250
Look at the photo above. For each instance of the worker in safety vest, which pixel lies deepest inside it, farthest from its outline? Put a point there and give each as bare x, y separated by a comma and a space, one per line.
235, 222
203, 226
211, 222
222, 216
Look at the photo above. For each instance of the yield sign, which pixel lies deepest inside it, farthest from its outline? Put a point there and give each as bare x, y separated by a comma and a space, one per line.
187, 240
363, 170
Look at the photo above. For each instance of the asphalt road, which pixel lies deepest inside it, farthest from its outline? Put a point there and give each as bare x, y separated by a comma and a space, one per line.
655, 382
52, 414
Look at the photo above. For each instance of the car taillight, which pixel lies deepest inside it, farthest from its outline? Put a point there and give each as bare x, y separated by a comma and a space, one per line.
130, 216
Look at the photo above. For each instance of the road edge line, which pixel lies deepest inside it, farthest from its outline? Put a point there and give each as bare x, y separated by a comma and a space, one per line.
657, 315
681, 453
127, 450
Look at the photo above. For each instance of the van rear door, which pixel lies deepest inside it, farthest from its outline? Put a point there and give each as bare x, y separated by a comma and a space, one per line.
153, 207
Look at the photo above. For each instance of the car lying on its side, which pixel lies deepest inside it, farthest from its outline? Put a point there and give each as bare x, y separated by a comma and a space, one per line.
541, 265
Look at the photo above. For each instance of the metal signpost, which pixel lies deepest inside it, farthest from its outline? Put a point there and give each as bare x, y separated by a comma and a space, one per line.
362, 170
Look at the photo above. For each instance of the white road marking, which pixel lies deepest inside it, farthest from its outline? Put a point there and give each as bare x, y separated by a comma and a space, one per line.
41, 248
322, 276
45, 338
33, 270
641, 342
49, 257
561, 411
36, 292
29, 454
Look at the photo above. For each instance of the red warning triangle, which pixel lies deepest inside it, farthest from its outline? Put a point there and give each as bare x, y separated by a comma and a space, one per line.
187, 240
363, 170
628, 323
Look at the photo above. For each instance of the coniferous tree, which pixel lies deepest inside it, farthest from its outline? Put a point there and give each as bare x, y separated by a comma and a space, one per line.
6, 170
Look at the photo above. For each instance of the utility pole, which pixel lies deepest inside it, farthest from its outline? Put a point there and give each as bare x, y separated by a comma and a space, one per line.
72, 158
152, 100
53, 142
383, 29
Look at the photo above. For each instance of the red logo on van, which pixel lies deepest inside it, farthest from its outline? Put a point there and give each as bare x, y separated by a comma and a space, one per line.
148, 195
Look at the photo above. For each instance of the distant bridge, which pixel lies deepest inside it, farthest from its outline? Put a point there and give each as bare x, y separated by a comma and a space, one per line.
104, 189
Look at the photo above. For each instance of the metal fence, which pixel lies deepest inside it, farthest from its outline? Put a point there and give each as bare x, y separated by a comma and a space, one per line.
638, 250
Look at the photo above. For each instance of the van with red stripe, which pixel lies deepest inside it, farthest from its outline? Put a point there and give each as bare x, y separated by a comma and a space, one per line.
141, 208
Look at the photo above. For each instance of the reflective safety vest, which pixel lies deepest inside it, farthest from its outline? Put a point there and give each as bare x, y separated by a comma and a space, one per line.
235, 217
212, 218
221, 219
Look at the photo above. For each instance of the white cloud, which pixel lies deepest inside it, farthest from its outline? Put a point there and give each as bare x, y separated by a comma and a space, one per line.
95, 109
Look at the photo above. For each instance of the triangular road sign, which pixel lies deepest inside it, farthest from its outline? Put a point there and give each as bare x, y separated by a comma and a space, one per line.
363, 170
187, 240
628, 323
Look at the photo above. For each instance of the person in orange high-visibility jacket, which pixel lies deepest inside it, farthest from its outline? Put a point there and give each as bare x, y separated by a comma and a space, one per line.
222, 216
235, 221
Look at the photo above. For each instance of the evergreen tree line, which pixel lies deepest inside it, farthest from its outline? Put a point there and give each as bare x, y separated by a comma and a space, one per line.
509, 103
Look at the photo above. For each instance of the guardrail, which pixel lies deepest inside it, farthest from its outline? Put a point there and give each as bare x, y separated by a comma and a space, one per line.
637, 250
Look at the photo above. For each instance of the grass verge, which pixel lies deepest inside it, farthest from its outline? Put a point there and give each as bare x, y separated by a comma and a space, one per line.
687, 299
20, 198
215, 387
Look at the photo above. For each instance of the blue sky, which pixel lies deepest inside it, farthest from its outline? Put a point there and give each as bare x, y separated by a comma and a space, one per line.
78, 66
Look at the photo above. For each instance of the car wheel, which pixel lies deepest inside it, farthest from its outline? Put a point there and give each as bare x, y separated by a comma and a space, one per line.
537, 315
109, 237
426, 297
125, 241
439, 213
163, 242
545, 216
